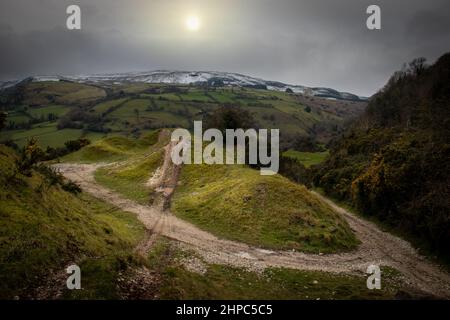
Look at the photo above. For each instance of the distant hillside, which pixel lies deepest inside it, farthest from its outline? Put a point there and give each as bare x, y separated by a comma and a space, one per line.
210, 78
393, 163
55, 112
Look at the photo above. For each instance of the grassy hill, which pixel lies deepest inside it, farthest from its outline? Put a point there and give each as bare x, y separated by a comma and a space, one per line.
43, 228
238, 203
130, 176
233, 202
60, 111
393, 163
113, 148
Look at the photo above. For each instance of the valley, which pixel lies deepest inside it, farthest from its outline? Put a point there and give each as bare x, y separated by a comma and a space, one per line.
58, 111
88, 179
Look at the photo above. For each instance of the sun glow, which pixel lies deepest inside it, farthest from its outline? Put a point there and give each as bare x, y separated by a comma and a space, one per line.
193, 23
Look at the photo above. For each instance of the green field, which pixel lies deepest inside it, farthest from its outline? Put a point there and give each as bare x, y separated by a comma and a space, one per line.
46, 133
25, 114
306, 158
130, 108
105, 106
17, 117
57, 110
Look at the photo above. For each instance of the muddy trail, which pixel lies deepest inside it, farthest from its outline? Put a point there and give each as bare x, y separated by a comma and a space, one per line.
377, 247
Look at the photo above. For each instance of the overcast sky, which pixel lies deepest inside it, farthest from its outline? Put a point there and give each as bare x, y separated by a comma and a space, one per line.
307, 42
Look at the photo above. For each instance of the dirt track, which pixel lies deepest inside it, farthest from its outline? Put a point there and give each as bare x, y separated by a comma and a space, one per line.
377, 247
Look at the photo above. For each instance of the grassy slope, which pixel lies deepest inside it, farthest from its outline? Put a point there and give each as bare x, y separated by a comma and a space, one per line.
43, 227
113, 148
238, 203
143, 157
129, 179
107, 150
47, 92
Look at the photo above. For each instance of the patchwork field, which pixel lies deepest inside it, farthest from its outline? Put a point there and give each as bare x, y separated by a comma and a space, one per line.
47, 109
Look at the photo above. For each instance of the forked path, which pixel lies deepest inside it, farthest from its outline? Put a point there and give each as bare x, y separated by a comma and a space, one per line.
377, 247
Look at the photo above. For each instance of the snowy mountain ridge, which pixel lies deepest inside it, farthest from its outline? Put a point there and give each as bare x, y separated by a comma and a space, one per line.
211, 78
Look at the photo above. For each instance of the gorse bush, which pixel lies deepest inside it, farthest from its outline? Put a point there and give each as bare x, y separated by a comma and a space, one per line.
75, 145
294, 170
31, 155
53, 177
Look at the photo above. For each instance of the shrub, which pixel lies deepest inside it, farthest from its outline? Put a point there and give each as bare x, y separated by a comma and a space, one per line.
29, 155
75, 145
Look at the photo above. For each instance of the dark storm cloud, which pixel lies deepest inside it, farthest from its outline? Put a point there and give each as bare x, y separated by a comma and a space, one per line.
429, 25
310, 42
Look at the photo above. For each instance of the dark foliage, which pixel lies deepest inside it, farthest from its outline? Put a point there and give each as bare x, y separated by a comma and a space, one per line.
294, 170
10, 143
3, 116
29, 156
300, 143
230, 117
74, 145
77, 118
393, 163
29, 159
53, 177
289, 90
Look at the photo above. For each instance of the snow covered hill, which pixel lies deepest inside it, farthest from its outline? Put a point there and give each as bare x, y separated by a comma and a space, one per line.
212, 78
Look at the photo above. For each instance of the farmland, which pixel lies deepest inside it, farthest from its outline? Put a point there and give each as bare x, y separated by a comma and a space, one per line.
55, 112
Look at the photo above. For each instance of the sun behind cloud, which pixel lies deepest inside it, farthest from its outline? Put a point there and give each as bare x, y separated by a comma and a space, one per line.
193, 23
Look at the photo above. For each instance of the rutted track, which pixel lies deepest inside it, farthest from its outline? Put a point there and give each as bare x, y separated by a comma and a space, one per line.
377, 247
